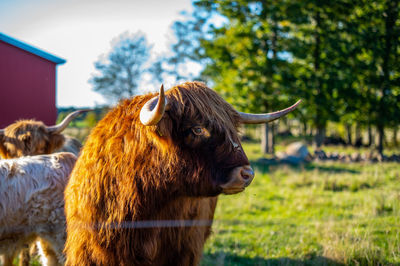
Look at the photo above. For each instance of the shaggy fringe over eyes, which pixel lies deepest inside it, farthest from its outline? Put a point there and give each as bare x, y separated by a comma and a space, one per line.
193, 101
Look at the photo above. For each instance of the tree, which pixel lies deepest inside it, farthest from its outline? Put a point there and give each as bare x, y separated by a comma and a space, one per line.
322, 62
246, 56
185, 60
120, 71
379, 32
270, 52
341, 57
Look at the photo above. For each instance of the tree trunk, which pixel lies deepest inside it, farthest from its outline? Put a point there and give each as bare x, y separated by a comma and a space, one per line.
381, 135
358, 137
370, 136
320, 136
358, 131
272, 139
395, 136
268, 139
304, 128
390, 44
319, 119
264, 138
349, 138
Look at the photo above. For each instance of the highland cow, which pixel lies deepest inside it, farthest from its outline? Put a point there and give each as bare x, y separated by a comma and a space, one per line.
32, 204
30, 137
145, 187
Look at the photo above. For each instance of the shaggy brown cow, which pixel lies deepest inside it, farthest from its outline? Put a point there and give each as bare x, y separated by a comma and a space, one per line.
30, 137
144, 189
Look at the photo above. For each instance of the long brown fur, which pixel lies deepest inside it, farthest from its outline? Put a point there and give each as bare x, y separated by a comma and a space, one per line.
129, 173
28, 137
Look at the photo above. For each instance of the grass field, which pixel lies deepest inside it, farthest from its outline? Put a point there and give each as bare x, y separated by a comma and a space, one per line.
316, 214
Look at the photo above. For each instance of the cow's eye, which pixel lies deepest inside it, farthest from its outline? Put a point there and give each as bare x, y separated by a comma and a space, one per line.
200, 131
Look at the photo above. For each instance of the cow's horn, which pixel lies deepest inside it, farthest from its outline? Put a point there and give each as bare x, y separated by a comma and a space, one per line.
151, 114
63, 124
265, 118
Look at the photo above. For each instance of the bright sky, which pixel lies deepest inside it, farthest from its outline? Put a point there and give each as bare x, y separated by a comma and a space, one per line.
81, 30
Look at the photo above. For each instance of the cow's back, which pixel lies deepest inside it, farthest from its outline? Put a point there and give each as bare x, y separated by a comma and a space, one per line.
33, 185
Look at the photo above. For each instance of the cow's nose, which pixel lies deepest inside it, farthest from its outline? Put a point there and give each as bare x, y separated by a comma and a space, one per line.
239, 178
247, 174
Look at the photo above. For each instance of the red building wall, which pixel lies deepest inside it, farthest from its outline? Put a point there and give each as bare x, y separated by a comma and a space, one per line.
27, 86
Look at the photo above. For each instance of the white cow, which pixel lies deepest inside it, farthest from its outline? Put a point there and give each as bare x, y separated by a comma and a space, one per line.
32, 204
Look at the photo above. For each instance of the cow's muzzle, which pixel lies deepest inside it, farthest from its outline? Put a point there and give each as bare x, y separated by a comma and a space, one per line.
239, 178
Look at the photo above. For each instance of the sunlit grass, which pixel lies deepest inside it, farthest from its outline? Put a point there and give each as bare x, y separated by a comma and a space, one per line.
322, 213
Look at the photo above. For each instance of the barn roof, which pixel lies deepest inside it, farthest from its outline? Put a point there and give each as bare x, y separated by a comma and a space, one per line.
31, 49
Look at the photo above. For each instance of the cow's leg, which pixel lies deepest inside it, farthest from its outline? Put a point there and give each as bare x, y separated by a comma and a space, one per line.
48, 256
8, 259
24, 257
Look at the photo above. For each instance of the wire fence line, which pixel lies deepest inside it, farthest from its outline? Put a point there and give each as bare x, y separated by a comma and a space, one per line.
20, 229
147, 224
155, 224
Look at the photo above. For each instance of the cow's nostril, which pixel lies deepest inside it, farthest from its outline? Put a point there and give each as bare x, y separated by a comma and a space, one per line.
247, 173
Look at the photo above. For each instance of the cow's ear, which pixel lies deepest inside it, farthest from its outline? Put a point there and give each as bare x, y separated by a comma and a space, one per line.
164, 127
160, 134
56, 141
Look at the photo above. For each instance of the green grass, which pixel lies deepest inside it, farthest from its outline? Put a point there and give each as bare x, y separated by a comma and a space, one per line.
316, 214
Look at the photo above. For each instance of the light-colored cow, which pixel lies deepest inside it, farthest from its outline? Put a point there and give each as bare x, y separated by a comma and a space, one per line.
32, 204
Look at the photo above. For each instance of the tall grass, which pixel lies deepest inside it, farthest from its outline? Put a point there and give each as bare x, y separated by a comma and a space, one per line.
316, 214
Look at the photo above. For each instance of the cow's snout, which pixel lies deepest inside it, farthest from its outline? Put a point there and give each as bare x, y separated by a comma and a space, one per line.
239, 178
247, 173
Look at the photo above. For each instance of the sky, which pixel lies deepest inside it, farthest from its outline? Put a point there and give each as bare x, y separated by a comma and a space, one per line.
81, 30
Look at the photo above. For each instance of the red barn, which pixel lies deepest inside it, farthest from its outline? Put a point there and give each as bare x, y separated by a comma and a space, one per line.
27, 82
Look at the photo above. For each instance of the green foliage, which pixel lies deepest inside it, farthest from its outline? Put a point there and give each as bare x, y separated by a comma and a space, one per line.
91, 119
248, 63
377, 27
340, 57
85, 120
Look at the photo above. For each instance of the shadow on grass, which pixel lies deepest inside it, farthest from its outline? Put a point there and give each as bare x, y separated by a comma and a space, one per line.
330, 168
271, 167
230, 259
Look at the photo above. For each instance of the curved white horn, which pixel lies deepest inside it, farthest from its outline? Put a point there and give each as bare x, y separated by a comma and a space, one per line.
265, 118
63, 124
151, 114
